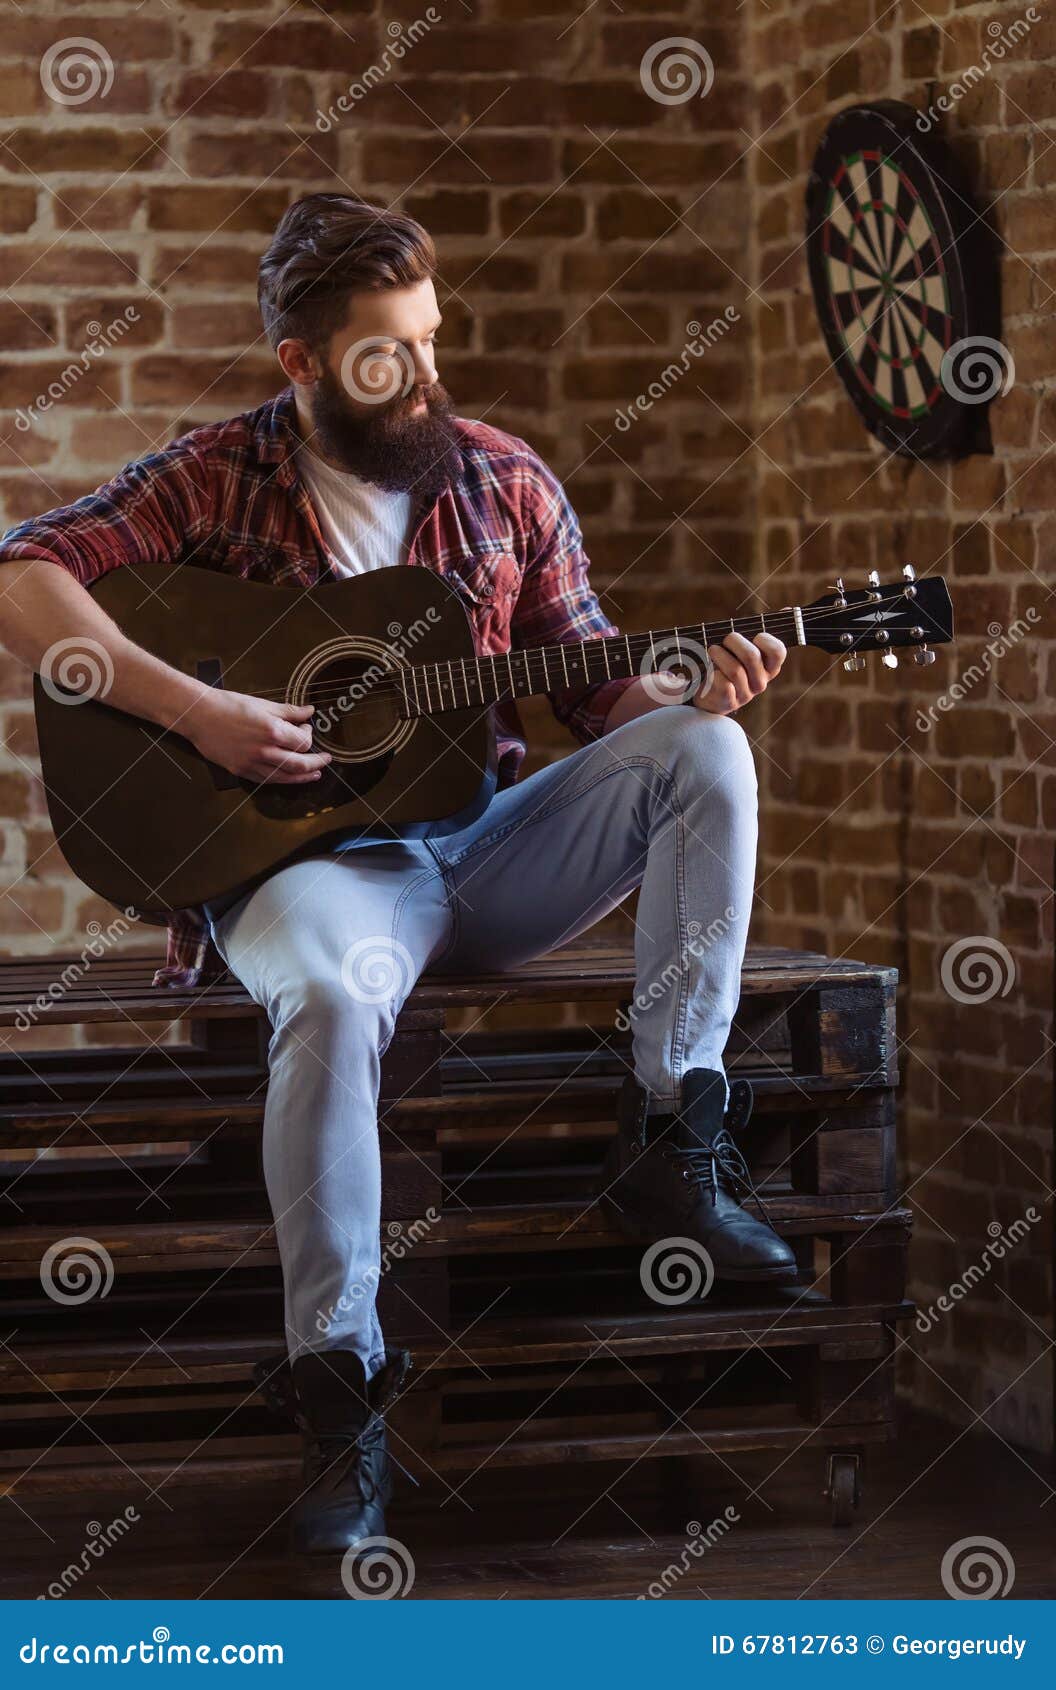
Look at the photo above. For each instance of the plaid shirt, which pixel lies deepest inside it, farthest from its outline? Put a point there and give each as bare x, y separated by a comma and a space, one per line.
228, 496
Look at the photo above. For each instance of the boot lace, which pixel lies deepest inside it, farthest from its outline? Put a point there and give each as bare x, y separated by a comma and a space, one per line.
714, 1167
718, 1166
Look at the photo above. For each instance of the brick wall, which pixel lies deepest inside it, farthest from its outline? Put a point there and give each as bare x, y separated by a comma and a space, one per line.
582, 225
882, 838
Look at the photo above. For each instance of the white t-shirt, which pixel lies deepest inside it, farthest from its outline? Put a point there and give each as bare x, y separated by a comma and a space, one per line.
363, 526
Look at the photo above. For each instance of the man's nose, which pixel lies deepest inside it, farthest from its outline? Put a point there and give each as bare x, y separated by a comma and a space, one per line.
424, 366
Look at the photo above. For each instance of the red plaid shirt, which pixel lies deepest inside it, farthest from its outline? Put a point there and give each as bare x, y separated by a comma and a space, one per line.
228, 496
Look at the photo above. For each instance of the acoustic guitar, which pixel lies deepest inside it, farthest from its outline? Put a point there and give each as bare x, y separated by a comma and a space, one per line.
402, 702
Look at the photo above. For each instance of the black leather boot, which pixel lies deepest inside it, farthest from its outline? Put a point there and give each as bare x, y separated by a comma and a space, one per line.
347, 1473
682, 1176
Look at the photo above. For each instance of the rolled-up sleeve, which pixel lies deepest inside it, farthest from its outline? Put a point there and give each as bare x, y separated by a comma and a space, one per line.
557, 604
149, 513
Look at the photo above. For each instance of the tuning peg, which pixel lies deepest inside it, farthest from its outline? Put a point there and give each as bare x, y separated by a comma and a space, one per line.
923, 656
890, 660
908, 572
853, 663
873, 578
841, 593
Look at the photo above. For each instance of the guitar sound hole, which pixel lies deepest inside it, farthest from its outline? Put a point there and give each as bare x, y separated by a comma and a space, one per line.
358, 719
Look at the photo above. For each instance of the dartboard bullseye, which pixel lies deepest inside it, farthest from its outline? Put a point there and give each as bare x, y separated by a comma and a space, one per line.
903, 270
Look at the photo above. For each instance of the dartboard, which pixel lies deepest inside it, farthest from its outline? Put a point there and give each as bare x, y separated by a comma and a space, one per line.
905, 280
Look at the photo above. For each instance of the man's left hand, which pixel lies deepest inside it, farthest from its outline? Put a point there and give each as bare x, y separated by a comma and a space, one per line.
742, 670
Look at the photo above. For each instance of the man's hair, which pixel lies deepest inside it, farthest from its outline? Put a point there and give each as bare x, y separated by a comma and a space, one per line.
327, 247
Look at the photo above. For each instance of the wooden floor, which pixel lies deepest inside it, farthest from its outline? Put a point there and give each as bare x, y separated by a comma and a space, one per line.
591, 1532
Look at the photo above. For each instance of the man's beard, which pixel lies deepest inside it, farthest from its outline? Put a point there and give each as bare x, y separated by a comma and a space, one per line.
390, 447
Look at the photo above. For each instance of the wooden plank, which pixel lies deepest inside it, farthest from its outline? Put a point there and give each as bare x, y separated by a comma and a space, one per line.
116, 987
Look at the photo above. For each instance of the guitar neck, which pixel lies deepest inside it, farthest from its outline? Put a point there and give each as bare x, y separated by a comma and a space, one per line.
430, 688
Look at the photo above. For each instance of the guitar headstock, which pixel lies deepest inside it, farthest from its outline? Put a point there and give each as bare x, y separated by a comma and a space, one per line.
912, 613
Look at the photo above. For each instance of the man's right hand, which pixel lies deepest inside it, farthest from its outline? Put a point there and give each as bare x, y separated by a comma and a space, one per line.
254, 738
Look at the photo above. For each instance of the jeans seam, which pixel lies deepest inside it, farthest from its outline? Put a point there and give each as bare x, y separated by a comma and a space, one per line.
394, 927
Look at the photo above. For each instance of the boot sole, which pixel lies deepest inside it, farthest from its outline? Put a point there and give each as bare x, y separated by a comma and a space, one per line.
641, 1234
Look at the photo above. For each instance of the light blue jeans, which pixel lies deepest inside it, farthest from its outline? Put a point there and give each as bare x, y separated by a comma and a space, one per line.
331, 946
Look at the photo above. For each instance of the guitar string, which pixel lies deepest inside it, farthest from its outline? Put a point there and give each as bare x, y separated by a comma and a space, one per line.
546, 655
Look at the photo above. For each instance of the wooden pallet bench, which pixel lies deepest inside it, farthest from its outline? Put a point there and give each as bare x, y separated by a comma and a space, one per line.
534, 1340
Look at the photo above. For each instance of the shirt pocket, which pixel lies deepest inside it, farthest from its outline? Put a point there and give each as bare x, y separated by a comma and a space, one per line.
488, 581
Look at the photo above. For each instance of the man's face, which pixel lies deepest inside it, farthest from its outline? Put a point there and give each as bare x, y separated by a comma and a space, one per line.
371, 400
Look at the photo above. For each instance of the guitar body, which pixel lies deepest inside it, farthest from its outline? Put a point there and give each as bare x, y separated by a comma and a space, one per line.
146, 822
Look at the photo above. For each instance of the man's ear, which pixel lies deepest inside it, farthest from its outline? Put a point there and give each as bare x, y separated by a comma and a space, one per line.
299, 363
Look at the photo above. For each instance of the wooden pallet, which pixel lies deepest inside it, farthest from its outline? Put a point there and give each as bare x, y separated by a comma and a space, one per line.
533, 1338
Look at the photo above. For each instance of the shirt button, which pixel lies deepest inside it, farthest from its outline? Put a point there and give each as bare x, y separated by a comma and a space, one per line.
487, 592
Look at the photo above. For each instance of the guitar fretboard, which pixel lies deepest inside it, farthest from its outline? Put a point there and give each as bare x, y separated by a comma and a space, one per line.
469, 683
